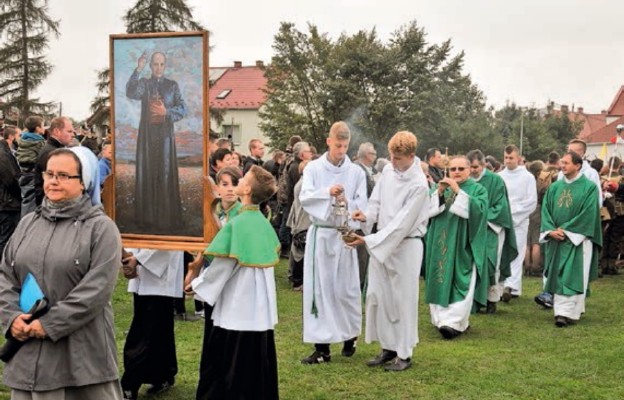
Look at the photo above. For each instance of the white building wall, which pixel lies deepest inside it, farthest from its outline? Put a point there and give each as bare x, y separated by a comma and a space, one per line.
247, 122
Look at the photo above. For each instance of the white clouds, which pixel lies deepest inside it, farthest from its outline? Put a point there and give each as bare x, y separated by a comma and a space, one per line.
530, 51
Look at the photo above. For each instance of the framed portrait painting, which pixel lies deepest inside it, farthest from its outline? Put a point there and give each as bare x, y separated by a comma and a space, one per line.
159, 125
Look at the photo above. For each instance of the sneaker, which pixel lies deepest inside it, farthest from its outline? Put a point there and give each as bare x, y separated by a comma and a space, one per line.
200, 314
130, 394
348, 349
561, 322
544, 299
298, 288
160, 387
399, 364
317, 358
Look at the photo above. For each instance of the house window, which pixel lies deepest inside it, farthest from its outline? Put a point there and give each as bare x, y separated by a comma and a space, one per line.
232, 132
224, 94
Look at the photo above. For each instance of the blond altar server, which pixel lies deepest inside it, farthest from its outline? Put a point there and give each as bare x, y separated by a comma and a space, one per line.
399, 206
333, 187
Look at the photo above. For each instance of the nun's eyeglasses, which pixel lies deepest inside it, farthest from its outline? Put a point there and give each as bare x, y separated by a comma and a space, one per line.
60, 177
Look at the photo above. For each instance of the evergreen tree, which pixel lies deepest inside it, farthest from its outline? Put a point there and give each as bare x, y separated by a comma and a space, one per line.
160, 16
24, 33
145, 16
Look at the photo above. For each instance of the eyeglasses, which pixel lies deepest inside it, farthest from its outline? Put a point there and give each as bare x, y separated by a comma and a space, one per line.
460, 169
61, 177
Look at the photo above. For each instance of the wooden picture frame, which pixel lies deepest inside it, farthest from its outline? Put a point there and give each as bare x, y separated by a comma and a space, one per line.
160, 196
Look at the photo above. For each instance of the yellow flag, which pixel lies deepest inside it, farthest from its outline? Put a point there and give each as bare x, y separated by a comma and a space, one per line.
603, 152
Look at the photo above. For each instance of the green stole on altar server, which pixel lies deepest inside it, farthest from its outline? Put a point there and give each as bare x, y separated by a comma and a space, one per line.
499, 213
454, 245
571, 207
249, 239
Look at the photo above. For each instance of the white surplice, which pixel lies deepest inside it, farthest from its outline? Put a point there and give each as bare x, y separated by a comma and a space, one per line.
522, 191
399, 205
330, 274
160, 273
244, 298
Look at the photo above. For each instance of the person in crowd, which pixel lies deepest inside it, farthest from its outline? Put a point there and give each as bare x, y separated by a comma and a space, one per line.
572, 236
239, 360
521, 188
236, 160
501, 239
332, 188
31, 144
256, 152
533, 257
399, 207
72, 250
433, 158
156, 278
105, 163
366, 157
457, 272
379, 166
492, 164
273, 165
220, 159
10, 193
299, 223
286, 185
61, 135
614, 232
552, 164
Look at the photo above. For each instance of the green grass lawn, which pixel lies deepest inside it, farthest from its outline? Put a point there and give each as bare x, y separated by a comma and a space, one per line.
517, 353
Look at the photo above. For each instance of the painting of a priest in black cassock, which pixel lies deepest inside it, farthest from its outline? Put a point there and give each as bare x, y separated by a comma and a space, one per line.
157, 193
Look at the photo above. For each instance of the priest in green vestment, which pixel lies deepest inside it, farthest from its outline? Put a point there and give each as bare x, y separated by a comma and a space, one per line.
572, 238
456, 250
501, 238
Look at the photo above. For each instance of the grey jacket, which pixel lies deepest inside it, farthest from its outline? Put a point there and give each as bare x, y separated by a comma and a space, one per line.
74, 253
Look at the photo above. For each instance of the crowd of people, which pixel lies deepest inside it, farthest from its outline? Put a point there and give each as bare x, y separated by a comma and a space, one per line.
353, 229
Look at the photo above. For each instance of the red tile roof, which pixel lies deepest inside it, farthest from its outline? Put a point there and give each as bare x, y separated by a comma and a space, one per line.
246, 85
617, 105
606, 133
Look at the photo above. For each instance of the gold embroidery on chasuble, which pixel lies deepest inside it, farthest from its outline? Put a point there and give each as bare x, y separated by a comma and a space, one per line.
442, 261
565, 199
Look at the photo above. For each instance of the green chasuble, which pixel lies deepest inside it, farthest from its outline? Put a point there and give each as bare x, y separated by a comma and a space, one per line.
499, 213
249, 239
454, 245
571, 207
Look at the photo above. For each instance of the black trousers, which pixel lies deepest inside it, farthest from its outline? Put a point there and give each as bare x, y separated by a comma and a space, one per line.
150, 353
237, 365
613, 238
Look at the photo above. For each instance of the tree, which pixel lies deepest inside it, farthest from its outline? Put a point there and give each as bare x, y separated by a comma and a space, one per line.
144, 17
378, 88
160, 16
24, 32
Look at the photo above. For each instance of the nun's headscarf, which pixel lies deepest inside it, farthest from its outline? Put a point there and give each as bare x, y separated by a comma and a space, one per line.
90, 173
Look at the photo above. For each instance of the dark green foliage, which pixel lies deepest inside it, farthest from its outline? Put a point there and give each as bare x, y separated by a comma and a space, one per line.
378, 88
24, 33
160, 16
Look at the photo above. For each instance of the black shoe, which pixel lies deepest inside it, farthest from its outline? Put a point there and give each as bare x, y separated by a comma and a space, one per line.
399, 364
130, 394
561, 322
384, 357
317, 358
160, 387
448, 333
506, 295
348, 349
490, 308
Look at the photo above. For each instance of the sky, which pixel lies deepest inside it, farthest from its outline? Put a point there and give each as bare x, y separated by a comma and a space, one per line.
528, 52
